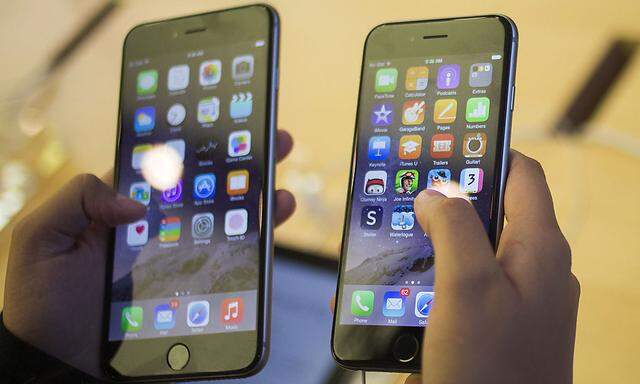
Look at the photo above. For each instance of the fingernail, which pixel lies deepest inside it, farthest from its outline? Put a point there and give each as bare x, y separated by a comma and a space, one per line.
428, 193
128, 203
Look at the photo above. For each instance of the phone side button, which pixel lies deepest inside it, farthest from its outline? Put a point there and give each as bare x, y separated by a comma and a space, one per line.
513, 97
406, 348
178, 357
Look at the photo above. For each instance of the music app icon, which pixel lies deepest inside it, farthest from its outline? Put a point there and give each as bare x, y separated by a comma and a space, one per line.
232, 310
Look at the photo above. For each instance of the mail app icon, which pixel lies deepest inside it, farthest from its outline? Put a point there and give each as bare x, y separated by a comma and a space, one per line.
164, 317
394, 304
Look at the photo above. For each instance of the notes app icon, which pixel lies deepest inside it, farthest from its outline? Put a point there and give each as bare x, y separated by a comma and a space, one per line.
231, 311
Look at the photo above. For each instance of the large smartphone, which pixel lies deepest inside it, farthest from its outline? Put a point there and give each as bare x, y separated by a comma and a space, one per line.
188, 286
434, 111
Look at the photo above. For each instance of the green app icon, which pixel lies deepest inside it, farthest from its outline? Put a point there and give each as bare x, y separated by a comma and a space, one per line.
362, 303
147, 82
131, 319
478, 109
386, 79
406, 181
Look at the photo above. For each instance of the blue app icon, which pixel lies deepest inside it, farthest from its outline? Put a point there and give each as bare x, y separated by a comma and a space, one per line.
382, 115
424, 300
379, 148
393, 305
204, 186
144, 119
164, 317
438, 178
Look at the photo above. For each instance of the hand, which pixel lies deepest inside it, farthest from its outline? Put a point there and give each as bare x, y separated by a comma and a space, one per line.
56, 272
507, 316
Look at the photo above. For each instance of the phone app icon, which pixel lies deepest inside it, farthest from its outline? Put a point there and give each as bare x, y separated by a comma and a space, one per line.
242, 67
402, 218
138, 154
208, 110
362, 303
471, 180
371, 217
232, 310
379, 148
449, 76
417, 78
413, 112
478, 109
202, 225
480, 74
442, 145
382, 115
239, 143
204, 186
235, 222
198, 314
205, 149
131, 319
386, 80
144, 119
178, 77
444, 111
410, 147
241, 105
172, 195
406, 181
176, 114
210, 72
138, 233
474, 144
169, 229
140, 192
147, 82
237, 182
177, 146
439, 179
424, 301
164, 317
394, 304
375, 183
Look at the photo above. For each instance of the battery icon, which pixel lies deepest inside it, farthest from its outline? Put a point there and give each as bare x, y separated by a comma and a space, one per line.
260, 43
496, 57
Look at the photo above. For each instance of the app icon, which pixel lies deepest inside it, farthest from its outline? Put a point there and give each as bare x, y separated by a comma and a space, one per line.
375, 183
239, 143
410, 147
402, 218
480, 74
140, 192
169, 229
177, 146
362, 303
205, 149
478, 109
176, 114
144, 119
198, 314
164, 317
208, 110
371, 217
386, 79
172, 195
406, 181
439, 179
178, 77
242, 67
444, 111
442, 145
449, 76
204, 186
138, 154
413, 112
237, 182
393, 304
147, 82
474, 144
235, 222
202, 225
138, 233
379, 148
471, 180
131, 319
417, 78
210, 72
424, 301
382, 114
241, 105
232, 310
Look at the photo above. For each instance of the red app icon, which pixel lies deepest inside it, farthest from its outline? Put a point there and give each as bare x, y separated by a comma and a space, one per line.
231, 310
441, 145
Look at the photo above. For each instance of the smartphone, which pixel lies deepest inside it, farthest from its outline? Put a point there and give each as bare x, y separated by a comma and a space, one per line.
434, 111
188, 285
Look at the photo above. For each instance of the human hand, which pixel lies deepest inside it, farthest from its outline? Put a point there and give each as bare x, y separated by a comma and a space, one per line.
57, 266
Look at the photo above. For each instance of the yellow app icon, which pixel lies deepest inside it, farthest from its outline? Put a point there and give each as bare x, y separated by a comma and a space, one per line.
410, 147
237, 182
444, 111
417, 78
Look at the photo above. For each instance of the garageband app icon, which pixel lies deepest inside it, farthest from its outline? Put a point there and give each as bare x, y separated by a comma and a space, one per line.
375, 183
371, 217
444, 111
449, 76
172, 195
204, 186
413, 112
140, 192
471, 180
170, 229
410, 147
232, 310
402, 218
210, 72
480, 74
241, 105
439, 179
474, 144
144, 119
379, 148
205, 149
242, 67
202, 225
382, 114
198, 314
406, 181
417, 78
394, 304
442, 145
239, 143
424, 301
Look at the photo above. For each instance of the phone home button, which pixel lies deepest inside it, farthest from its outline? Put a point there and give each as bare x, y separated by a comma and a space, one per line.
406, 348
178, 357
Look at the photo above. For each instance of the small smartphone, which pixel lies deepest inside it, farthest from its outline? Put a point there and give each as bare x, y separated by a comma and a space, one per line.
188, 285
434, 111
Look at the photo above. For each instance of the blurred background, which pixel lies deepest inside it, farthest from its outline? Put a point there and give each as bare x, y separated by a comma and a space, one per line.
578, 87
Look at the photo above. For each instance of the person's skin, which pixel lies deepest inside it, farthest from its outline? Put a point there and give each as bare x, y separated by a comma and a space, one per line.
57, 266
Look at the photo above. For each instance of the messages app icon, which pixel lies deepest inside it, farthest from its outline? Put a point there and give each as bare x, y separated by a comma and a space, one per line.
393, 304
362, 303
147, 83
386, 80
